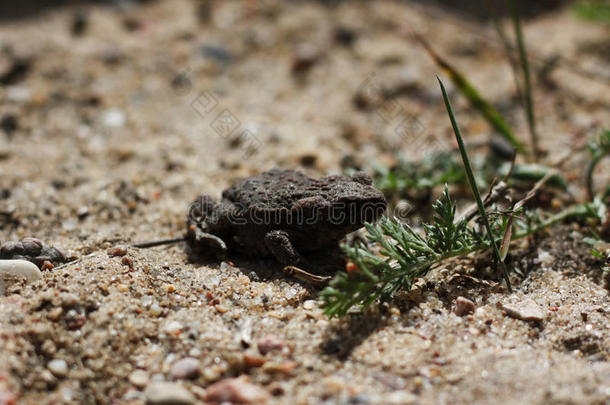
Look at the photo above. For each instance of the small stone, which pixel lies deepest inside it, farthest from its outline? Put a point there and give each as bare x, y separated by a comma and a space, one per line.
127, 261
47, 265
463, 306
168, 393
270, 343
305, 57
20, 268
185, 368
82, 212
10, 249
139, 378
285, 367
58, 367
173, 328
32, 246
253, 360
55, 313
545, 258
399, 397
9, 123
344, 36
7, 397
79, 23
69, 224
527, 310
236, 390
117, 251
114, 118
309, 304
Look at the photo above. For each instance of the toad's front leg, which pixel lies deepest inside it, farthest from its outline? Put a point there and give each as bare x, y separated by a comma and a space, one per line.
281, 247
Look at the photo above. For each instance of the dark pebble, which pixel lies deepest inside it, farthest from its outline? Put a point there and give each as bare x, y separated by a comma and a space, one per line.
304, 59
32, 246
79, 23
132, 24
344, 36
216, 53
18, 71
9, 123
308, 160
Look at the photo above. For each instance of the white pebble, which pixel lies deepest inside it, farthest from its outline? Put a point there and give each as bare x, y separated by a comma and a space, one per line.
19, 268
545, 258
173, 327
58, 367
164, 393
114, 118
139, 378
309, 304
185, 368
526, 310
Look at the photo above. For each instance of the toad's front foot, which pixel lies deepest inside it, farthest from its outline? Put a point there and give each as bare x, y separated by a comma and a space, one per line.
280, 246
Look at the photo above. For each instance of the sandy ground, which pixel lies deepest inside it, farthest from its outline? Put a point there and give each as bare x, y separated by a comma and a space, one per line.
120, 126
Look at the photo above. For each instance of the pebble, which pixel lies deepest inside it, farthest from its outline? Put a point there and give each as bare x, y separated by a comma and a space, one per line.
185, 368
545, 258
82, 212
527, 310
117, 251
305, 57
399, 397
47, 265
309, 304
19, 268
173, 328
285, 367
32, 246
7, 397
114, 118
463, 306
139, 378
168, 393
236, 390
270, 343
58, 367
253, 360
9, 123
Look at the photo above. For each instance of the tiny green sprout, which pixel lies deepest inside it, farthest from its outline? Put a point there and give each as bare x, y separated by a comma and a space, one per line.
598, 148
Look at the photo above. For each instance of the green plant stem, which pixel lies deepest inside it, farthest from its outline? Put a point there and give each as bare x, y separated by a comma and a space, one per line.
491, 115
589, 175
575, 211
508, 49
525, 67
473, 183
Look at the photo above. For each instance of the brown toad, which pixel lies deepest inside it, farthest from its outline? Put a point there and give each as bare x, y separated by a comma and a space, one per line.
283, 214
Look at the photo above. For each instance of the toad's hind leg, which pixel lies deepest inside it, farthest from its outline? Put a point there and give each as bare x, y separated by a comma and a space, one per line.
280, 246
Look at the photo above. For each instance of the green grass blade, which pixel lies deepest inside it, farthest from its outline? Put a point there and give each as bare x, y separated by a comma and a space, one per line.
473, 183
491, 115
527, 82
508, 48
